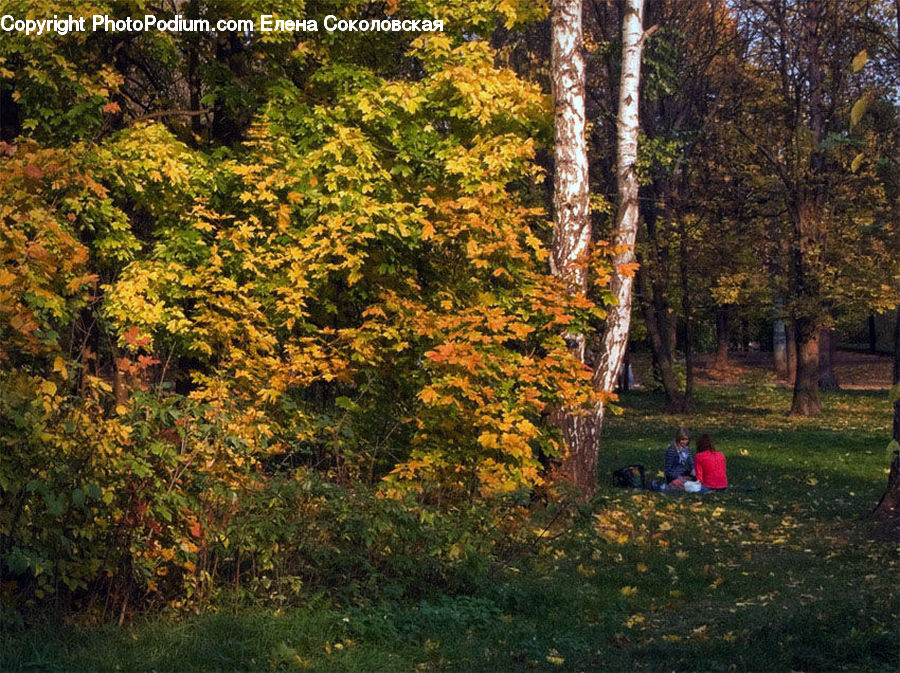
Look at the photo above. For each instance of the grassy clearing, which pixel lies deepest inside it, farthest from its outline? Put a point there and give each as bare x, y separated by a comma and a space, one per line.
779, 578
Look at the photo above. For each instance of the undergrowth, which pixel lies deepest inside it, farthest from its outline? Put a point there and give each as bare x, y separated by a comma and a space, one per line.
779, 574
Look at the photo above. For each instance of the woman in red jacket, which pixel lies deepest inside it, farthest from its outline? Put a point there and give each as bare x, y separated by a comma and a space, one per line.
710, 465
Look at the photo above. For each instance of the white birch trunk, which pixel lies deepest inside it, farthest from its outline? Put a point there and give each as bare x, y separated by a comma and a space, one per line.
618, 317
571, 199
571, 191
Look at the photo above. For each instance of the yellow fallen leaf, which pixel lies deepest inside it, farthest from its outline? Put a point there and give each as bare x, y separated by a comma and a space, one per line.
628, 591
642, 567
554, 658
634, 619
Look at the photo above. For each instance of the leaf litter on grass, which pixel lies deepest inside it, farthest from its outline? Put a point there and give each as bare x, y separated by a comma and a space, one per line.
776, 557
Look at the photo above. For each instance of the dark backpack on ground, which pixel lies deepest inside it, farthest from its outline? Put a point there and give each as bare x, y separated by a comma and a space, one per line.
630, 476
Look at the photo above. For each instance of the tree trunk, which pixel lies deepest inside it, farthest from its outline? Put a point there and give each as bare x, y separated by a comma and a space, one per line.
808, 234
790, 334
827, 378
896, 377
625, 375
723, 337
687, 310
780, 340
618, 317
888, 505
192, 11
780, 349
675, 402
873, 334
806, 385
10, 116
668, 323
571, 217
230, 53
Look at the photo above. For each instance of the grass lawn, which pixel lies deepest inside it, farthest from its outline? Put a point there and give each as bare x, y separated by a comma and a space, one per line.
783, 577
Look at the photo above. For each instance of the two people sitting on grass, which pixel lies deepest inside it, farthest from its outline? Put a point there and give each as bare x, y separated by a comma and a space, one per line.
685, 472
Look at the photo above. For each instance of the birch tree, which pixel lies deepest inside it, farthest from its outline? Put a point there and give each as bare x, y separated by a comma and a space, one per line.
618, 317
572, 231
571, 216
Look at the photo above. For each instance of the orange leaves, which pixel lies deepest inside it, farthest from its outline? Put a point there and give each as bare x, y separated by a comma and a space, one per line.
194, 528
44, 278
462, 354
132, 337
32, 172
628, 270
81, 281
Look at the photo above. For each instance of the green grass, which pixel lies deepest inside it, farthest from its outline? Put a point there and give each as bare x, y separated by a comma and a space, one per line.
780, 578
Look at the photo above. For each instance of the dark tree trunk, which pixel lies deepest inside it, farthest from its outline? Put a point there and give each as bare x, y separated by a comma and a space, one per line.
624, 383
806, 385
808, 232
723, 336
790, 332
873, 334
688, 359
827, 378
669, 326
10, 115
226, 127
896, 377
675, 401
687, 309
193, 77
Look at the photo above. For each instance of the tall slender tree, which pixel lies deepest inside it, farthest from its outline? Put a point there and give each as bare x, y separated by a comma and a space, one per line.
896, 376
571, 211
618, 317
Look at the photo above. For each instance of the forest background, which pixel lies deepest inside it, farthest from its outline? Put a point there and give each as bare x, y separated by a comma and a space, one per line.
276, 310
